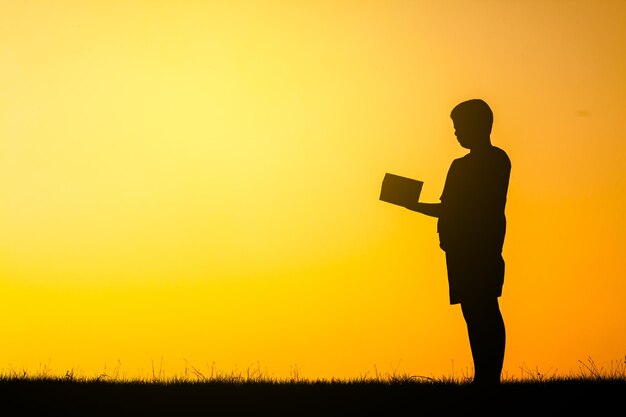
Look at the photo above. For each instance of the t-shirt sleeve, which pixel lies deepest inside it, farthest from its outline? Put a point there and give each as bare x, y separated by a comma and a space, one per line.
448, 184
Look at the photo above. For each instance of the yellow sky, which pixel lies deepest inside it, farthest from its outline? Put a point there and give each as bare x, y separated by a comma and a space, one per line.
197, 182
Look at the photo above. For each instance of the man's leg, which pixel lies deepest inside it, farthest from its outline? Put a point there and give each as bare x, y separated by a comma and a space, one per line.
487, 337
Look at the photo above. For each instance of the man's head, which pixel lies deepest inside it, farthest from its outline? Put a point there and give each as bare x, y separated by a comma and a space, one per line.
472, 120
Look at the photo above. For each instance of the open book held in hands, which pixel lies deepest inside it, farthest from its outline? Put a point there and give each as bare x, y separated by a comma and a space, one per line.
401, 191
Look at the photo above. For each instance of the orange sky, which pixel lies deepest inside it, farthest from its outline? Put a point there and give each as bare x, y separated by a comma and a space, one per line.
197, 183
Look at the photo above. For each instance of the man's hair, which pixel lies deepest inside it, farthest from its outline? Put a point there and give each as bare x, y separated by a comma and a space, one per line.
474, 112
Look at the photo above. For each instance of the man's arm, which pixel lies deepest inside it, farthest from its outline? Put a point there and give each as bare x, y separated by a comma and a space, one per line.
429, 209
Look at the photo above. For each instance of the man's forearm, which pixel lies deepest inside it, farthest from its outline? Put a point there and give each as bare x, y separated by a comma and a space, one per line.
429, 209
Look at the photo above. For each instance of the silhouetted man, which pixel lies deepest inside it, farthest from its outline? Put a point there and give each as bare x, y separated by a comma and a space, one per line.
471, 226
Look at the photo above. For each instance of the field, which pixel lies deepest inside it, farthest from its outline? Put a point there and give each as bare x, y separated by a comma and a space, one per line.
253, 396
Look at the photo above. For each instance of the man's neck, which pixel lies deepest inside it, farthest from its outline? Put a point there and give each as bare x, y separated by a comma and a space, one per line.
485, 145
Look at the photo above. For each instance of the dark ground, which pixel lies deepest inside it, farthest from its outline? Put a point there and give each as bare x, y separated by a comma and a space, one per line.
65, 398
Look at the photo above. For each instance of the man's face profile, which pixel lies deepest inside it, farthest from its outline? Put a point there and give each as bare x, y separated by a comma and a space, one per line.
467, 134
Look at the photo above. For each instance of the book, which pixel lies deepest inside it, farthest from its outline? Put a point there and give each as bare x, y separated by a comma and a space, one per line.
399, 190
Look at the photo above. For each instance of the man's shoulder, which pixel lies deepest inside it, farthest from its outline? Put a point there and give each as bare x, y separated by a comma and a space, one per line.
496, 157
460, 164
501, 154
462, 159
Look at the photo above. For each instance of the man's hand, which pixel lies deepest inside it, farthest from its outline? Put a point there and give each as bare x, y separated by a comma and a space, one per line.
413, 206
429, 209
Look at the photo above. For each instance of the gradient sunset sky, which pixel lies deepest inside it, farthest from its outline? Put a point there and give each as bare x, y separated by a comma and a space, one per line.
197, 182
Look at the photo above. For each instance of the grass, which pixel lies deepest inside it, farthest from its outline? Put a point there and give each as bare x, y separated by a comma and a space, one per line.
251, 392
